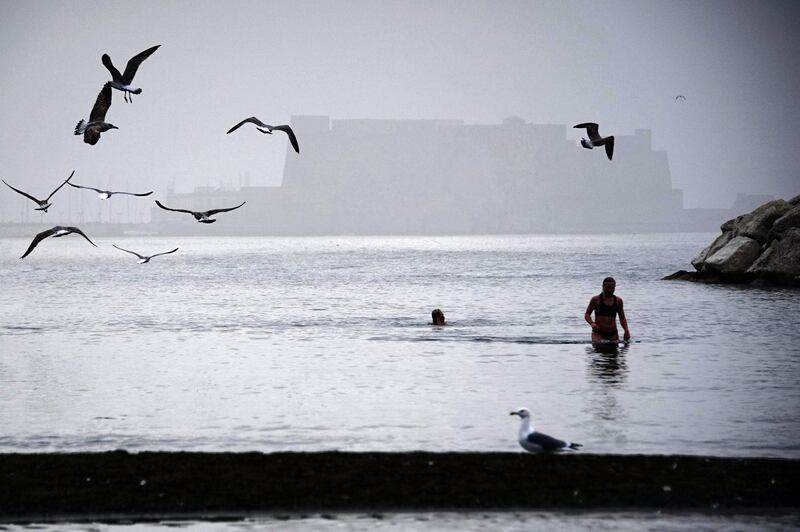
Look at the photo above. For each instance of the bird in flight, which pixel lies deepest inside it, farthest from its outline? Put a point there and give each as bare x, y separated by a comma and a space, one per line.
55, 232
268, 129
680, 97
204, 217
595, 139
537, 442
144, 259
91, 130
123, 82
105, 194
45, 203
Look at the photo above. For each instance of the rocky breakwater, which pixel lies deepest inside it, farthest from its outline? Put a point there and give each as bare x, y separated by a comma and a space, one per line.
759, 247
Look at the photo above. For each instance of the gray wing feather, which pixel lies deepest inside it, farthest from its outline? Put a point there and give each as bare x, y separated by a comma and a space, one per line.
592, 129
252, 120
547, 443
164, 253
115, 75
212, 212
129, 251
134, 62
38, 238
102, 104
288, 130
21, 192
61, 185
76, 230
176, 210
87, 188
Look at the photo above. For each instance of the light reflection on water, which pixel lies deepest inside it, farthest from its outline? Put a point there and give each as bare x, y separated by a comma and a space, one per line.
466, 521
323, 343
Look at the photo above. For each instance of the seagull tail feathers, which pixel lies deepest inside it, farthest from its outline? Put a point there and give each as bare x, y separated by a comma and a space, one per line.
80, 127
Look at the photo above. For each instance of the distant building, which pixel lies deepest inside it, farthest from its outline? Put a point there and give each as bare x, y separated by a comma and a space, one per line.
445, 177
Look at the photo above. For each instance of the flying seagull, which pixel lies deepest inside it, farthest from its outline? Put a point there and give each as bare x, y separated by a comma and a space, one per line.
536, 442
268, 130
595, 139
202, 216
45, 203
144, 259
105, 194
123, 82
91, 130
680, 97
55, 232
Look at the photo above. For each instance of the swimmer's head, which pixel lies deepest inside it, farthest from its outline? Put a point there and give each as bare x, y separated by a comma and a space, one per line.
609, 284
437, 316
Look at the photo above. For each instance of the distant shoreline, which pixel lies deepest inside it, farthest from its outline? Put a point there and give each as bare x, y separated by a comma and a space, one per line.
119, 486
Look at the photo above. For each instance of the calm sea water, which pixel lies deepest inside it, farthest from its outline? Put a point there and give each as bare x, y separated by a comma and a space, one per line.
239, 344
470, 521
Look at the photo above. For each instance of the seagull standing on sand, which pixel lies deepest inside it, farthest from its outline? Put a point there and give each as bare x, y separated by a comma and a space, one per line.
45, 203
105, 194
595, 139
268, 130
536, 442
204, 217
122, 82
91, 130
144, 259
55, 232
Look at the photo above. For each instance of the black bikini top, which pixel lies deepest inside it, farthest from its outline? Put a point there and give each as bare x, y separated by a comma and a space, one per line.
606, 310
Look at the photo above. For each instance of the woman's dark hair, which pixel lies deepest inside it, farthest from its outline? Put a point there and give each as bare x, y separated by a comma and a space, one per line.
609, 280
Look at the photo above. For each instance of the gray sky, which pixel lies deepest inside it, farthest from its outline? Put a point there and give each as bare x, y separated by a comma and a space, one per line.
617, 63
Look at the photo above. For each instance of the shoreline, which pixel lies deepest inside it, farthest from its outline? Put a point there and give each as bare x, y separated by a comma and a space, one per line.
121, 486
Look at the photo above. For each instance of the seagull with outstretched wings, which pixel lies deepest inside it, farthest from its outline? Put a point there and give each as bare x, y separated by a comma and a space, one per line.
122, 82
595, 139
105, 194
204, 217
55, 232
144, 259
268, 129
45, 203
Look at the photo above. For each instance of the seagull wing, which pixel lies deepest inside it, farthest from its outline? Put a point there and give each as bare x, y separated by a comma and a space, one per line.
115, 75
286, 129
134, 193
87, 188
129, 251
134, 62
21, 192
610, 146
176, 210
76, 230
164, 253
38, 238
252, 120
591, 130
547, 443
212, 212
61, 185
102, 104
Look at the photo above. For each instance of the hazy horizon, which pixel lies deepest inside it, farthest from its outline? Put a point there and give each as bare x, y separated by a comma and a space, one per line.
620, 64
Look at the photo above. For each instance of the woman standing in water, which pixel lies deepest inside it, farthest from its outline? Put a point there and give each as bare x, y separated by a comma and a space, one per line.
606, 306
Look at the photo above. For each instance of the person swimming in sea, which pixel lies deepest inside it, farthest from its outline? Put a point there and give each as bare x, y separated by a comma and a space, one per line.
606, 306
437, 316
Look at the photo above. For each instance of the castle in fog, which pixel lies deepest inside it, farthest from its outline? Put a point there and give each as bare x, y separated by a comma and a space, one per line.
445, 177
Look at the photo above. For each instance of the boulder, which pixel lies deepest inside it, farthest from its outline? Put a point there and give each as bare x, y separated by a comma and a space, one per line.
757, 224
715, 246
735, 257
795, 200
781, 261
790, 219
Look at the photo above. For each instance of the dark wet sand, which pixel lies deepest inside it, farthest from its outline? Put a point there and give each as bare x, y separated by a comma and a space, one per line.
118, 485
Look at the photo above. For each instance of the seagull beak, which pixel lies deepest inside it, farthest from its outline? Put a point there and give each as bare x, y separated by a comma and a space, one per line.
514, 414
